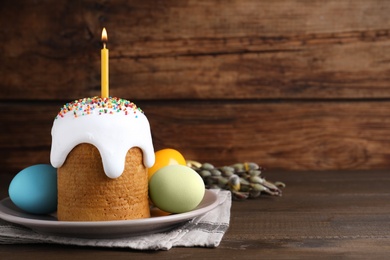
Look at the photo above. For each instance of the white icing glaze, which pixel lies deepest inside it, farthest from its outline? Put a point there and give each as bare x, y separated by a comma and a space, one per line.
113, 134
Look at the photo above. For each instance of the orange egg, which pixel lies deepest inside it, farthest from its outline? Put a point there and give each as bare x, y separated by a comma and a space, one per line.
166, 157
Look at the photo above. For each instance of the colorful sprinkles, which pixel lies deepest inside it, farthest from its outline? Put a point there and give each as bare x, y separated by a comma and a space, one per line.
87, 106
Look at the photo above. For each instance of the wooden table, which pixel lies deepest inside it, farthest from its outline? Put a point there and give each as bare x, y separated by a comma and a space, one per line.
324, 215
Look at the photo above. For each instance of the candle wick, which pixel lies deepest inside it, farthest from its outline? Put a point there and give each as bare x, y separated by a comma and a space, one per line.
104, 45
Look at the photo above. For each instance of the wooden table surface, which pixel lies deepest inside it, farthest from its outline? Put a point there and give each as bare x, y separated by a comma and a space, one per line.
325, 214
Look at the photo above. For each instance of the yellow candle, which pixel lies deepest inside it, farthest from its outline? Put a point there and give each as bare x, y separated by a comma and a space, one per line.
104, 64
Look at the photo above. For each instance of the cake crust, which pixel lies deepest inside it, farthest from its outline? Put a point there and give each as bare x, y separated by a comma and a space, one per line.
85, 193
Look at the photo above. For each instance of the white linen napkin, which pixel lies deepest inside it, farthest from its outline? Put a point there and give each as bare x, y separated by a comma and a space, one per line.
204, 231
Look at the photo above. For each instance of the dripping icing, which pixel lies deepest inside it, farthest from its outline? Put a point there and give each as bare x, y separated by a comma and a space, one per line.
112, 125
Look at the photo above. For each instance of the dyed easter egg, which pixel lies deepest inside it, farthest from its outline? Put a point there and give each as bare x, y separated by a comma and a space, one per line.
176, 189
34, 189
164, 158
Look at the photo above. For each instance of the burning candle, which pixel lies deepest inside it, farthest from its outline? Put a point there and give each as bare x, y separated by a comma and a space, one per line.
104, 64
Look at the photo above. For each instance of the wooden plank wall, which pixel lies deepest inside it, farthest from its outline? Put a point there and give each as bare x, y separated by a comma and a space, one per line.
290, 84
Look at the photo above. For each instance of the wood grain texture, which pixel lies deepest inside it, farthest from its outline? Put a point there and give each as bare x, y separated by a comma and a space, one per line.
289, 84
197, 49
292, 135
321, 215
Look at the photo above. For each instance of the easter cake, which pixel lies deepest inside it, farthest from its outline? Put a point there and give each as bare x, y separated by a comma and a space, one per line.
102, 149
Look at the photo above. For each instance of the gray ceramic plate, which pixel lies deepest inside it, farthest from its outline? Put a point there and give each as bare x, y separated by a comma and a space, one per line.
48, 224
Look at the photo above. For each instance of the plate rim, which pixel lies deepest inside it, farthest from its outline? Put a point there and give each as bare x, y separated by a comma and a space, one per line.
174, 218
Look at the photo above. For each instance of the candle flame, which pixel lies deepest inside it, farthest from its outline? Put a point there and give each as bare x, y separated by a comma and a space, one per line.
104, 35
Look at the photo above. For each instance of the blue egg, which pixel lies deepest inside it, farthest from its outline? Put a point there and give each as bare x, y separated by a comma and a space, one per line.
34, 189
